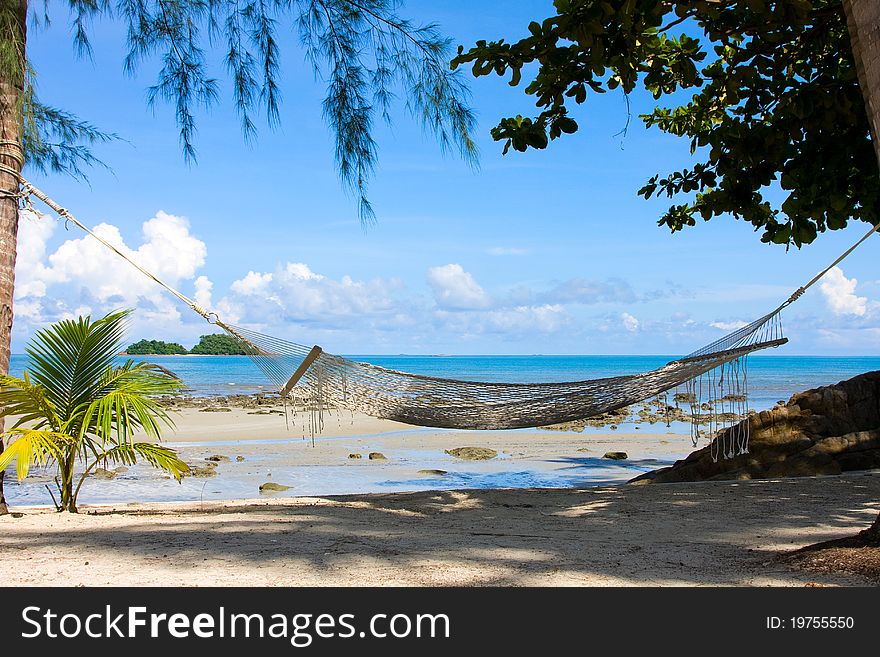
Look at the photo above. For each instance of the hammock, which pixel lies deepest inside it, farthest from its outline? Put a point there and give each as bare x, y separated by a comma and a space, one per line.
321, 380
316, 381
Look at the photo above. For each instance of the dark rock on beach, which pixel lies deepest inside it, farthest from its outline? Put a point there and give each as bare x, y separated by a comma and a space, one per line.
824, 431
615, 456
202, 471
218, 458
432, 472
101, 473
354, 456
473, 453
272, 487
376, 456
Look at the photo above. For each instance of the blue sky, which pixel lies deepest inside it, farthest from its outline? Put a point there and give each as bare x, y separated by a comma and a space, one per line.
542, 252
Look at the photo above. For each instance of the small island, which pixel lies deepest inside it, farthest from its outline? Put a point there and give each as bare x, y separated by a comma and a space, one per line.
219, 344
216, 344
155, 348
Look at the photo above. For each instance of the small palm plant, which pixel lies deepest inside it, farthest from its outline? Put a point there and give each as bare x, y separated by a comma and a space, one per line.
75, 405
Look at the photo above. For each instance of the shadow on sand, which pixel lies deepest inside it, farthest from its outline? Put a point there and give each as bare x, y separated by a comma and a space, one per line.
710, 533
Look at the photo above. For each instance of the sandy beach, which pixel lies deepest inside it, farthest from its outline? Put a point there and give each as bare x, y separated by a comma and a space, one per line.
711, 533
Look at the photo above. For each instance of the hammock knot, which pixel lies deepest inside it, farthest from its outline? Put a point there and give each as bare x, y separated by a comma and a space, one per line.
204, 313
797, 294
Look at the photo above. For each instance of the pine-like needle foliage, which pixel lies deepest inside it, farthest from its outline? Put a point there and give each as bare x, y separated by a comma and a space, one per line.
363, 49
57, 141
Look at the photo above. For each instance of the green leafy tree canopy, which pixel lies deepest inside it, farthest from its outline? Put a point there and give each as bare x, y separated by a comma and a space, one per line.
776, 104
219, 344
155, 347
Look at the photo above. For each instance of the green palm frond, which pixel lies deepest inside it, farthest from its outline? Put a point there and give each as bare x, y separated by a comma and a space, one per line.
158, 456
150, 379
73, 403
32, 446
125, 402
164, 458
69, 358
21, 398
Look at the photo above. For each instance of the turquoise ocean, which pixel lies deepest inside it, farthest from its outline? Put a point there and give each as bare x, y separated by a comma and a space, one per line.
771, 377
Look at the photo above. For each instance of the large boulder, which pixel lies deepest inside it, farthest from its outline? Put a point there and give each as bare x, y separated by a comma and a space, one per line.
827, 430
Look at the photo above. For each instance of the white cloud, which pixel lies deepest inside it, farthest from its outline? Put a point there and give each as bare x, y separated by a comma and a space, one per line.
28, 309
728, 326
456, 289
168, 251
203, 286
546, 319
294, 292
300, 271
82, 276
506, 251
30, 270
61, 275
579, 290
839, 293
630, 323
252, 283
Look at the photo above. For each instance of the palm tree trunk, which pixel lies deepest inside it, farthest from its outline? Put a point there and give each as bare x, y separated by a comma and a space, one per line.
13, 34
863, 21
68, 503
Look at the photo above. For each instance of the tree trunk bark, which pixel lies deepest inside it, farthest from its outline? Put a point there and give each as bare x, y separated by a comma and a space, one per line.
13, 35
863, 22
68, 503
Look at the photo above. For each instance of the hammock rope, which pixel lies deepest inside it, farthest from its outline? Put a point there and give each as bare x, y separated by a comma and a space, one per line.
715, 376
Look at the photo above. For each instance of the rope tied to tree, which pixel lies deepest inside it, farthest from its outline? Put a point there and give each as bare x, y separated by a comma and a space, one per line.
16, 152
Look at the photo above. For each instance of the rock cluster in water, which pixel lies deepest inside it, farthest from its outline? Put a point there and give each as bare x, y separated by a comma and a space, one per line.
655, 411
261, 403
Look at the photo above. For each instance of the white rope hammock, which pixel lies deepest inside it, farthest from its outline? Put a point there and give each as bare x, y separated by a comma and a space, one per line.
316, 381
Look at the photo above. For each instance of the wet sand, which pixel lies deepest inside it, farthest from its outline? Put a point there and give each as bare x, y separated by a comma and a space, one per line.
250, 450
